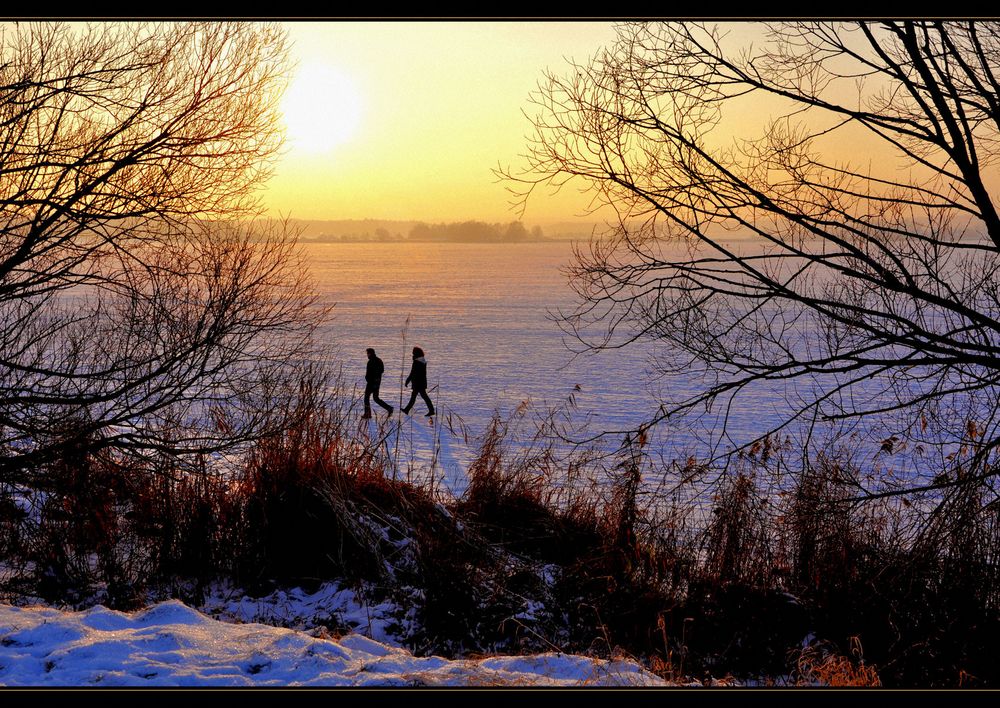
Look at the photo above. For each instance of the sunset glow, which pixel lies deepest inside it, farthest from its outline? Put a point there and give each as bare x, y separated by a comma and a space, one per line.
322, 109
408, 120
543, 354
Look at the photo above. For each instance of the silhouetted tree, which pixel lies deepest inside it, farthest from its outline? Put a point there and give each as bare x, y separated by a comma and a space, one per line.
140, 307
515, 231
872, 275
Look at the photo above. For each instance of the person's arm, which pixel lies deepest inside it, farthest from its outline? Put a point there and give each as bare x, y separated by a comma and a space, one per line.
413, 370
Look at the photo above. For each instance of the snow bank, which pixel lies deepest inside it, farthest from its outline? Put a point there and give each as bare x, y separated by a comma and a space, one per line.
170, 644
330, 605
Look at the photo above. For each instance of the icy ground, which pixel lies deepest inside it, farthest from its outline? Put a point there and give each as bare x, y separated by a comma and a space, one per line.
171, 644
485, 315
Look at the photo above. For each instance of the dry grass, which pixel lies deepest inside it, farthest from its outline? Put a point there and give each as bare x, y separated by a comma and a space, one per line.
818, 665
603, 570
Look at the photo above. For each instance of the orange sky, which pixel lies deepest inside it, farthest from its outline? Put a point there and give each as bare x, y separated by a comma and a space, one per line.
406, 120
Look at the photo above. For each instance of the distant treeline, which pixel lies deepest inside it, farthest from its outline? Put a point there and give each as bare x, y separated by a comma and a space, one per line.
476, 232
460, 232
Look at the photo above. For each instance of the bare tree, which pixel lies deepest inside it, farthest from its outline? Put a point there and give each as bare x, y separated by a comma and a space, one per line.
871, 275
142, 306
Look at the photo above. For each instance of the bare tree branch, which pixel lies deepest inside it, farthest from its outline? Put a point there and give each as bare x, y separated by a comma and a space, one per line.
143, 305
847, 277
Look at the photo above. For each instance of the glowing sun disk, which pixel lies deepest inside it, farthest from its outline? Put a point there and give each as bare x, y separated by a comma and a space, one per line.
322, 109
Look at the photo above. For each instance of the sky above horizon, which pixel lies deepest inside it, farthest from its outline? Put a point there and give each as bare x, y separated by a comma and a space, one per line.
409, 120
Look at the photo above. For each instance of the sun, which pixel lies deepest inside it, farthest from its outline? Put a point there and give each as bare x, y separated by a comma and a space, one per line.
322, 109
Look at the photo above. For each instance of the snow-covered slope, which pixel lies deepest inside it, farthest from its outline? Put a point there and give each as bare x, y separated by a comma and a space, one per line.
170, 644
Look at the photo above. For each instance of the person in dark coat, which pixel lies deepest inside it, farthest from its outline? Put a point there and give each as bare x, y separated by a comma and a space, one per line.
373, 380
418, 377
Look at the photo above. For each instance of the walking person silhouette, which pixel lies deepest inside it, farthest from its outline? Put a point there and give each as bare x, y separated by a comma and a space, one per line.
373, 381
418, 377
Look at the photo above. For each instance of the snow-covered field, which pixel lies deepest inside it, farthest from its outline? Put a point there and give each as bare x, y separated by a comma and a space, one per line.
480, 312
483, 315
171, 644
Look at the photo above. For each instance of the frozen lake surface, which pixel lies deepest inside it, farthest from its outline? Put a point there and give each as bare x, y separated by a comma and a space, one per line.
480, 312
483, 315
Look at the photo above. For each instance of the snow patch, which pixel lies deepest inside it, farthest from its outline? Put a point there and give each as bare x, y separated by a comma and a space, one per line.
171, 644
329, 606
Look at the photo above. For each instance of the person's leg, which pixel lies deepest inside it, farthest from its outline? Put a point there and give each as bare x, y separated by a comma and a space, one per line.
413, 398
380, 401
368, 405
427, 400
